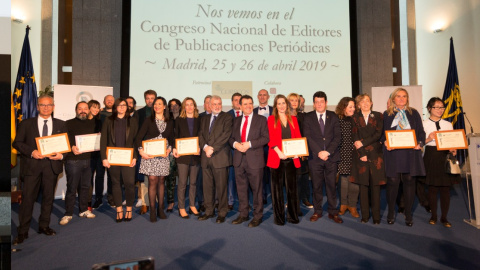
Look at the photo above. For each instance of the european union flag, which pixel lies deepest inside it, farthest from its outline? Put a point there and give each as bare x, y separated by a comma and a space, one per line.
25, 93
453, 102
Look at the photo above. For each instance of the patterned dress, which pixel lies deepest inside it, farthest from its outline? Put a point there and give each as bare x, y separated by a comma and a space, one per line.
158, 166
346, 149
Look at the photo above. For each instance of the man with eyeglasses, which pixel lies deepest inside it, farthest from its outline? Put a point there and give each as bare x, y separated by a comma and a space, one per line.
40, 171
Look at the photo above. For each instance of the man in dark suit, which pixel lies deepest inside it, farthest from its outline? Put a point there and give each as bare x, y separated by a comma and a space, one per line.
249, 136
322, 130
265, 110
40, 171
236, 111
215, 130
200, 198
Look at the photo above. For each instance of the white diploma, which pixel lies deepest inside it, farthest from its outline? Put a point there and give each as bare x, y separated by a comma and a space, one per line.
295, 147
187, 146
451, 139
119, 156
88, 142
57, 143
401, 139
155, 148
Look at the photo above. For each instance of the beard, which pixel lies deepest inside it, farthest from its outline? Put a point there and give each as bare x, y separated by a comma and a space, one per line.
82, 116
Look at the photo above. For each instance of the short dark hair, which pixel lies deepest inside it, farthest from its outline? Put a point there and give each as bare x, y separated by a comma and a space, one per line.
78, 103
149, 92
432, 102
245, 97
236, 94
319, 94
93, 102
207, 96
134, 101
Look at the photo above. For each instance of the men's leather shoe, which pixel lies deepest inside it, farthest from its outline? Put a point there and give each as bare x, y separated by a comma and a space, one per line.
220, 219
409, 223
240, 220
143, 210
376, 221
47, 231
307, 204
335, 218
428, 209
342, 210
315, 217
254, 223
201, 208
230, 207
205, 217
390, 221
20, 238
401, 210
364, 220
353, 211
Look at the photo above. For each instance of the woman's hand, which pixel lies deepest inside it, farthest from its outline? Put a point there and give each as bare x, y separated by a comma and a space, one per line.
431, 136
105, 163
454, 152
386, 146
364, 159
418, 147
358, 144
134, 161
143, 154
169, 150
175, 154
280, 154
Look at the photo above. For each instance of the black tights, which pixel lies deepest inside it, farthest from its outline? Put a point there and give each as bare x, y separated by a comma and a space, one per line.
444, 200
156, 183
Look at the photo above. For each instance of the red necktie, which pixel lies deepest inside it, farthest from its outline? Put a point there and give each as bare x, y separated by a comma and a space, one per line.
238, 113
244, 129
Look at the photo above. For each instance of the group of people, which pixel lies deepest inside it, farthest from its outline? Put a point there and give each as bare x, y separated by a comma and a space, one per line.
240, 154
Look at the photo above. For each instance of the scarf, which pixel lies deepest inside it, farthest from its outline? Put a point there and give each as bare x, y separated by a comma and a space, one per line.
401, 120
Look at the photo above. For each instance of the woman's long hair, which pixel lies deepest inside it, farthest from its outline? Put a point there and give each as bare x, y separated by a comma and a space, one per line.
165, 111
342, 105
391, 108
287, 111
115, 111
183, 112
295, 95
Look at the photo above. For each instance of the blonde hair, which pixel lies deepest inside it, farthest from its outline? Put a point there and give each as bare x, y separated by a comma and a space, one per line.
183, 112
391, 109
287, 111
294, 95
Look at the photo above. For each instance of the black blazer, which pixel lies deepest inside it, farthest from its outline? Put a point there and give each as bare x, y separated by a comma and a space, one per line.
142, 115
149, 131
25, 143
182, 131
108, 136
218, 139
317, 142
270, 109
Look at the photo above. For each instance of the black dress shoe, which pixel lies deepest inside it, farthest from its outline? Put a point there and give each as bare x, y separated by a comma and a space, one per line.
428, 209
240, 220
409, 223
254, 223
201, 208
376, 221
364, 220
401, 210
20, 238
220, 219
47, 231
205, 217
230, 207
191, 213
390, 221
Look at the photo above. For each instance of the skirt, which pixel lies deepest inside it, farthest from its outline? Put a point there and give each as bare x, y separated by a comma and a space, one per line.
158, 166
435, 168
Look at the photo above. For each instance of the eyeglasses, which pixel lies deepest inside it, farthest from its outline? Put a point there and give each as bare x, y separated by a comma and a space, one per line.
439, 108
45, 105
122, 105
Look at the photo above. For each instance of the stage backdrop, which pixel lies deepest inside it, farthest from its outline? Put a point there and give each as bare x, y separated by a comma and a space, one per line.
66, 97
380, 96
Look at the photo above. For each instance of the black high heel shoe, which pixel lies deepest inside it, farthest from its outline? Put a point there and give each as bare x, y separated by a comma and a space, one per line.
185, 217
161, 214
126, 214
170, 210
191, 212
118, 220
153, 215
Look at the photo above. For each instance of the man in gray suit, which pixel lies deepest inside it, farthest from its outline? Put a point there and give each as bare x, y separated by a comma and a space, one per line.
215, 130
249, 135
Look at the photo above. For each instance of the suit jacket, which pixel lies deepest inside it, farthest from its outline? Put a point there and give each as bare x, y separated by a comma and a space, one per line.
25, 143
182, 131
270, 110
329, 141
257, 136
142, 115
232, 112
149, 130
218, 139
108, 136
275, 134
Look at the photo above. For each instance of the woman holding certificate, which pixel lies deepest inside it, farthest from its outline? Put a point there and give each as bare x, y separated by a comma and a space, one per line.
405, 162
119, 130
437, 179
282, 125
187, 126
158, 126
368, 168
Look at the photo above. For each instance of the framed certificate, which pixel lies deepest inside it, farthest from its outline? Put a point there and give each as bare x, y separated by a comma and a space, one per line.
88, 142
57, 143
119, 156
187, 146
401, 139
295, 147
451, 139
155, 148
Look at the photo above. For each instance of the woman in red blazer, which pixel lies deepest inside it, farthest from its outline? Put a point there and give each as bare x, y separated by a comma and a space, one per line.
282, 125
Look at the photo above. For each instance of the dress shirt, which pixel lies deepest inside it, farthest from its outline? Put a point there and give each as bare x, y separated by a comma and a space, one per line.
248, 128
264, 112
323, 116
41, 122
429, 127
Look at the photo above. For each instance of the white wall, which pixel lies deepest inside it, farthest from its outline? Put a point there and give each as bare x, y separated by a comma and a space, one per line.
5, 29
460, 19
31, 12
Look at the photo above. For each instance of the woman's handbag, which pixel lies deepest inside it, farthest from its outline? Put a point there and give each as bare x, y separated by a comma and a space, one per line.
451, 165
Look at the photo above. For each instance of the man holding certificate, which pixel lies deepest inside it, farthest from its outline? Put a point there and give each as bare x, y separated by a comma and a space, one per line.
322, 129
215, 130
249, 135
78, 162
39, 170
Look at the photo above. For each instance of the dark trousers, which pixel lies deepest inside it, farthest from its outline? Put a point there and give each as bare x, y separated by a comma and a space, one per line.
324, 173
79, 174
185, 172
444, 200
245, 177
127, 174
421, 193
44, 177
199, 185
215, 180
370, 197
100, 179
266, 175
232, 191
285, 173
408, 183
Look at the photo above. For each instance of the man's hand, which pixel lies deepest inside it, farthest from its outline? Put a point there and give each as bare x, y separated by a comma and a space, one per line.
37, 155
134, 161
105, 163
208, 151
75, 150
56, 156
323, 155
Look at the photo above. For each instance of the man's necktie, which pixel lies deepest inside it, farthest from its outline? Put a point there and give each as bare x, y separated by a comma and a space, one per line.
262, 108
322, 124
211, 125
45, 128
244, 129
238, 113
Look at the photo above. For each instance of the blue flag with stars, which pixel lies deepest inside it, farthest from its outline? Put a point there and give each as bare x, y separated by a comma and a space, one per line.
25, 92
453, 102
